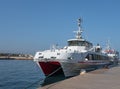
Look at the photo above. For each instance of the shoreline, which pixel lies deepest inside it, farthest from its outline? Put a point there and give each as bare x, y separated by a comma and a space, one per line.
15, 58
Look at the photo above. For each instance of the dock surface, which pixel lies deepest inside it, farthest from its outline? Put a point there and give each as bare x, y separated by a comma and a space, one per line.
98, 79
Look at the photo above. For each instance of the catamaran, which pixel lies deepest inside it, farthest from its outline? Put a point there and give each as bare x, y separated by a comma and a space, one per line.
77, 55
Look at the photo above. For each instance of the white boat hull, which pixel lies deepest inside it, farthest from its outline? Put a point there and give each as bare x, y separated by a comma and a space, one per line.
73, 69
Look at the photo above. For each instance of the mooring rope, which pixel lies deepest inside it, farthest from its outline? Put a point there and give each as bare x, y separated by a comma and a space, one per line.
54, 72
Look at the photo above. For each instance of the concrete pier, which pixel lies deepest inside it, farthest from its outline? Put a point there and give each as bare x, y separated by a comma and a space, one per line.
98, 79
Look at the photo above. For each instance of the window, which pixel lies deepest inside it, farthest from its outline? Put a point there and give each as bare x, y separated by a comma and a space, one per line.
90, 57
58, 53
41, 57
79, 43
53, 57
76, 43
40, 53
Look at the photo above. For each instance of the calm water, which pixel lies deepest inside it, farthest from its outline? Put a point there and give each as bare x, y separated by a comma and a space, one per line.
23, 74
20, 74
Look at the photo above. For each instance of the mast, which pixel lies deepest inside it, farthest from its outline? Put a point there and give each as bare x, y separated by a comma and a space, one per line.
108, 45
79, 32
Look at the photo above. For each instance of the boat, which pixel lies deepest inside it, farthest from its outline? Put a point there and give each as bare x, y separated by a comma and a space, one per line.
70, 60
112, 53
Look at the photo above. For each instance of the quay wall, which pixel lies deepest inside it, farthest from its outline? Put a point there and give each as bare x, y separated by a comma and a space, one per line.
98, 79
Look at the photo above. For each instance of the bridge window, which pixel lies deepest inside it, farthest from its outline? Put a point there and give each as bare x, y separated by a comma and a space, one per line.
79, 43
76, 43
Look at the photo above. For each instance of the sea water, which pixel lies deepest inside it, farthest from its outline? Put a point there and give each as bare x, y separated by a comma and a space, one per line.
20, 74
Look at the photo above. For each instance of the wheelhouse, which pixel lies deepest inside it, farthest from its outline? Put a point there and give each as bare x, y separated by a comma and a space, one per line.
79, 43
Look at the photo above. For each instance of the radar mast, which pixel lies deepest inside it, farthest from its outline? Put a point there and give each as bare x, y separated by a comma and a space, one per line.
79, 32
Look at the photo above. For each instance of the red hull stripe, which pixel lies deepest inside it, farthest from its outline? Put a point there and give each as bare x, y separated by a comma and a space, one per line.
49, 67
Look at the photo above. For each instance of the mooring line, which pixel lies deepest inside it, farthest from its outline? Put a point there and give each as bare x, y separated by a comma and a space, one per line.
54, 72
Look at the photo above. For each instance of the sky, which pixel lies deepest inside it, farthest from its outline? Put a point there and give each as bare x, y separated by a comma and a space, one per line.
27, 26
